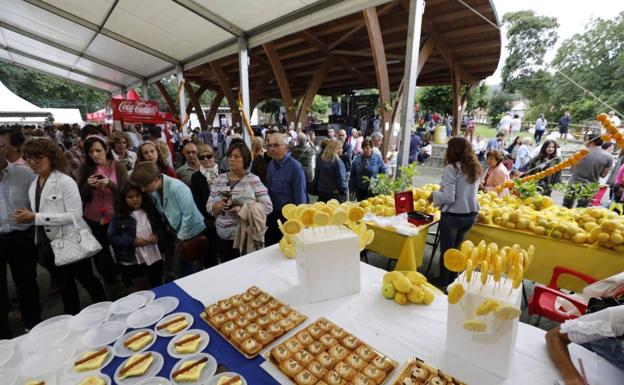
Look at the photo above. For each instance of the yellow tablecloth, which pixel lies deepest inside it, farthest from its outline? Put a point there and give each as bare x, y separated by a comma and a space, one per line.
597, 262
408, 251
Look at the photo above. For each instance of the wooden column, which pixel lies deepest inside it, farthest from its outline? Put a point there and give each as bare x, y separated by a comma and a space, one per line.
310, 92
196, 105
456, 88
258, 90
214, 107
200, 91
381, 71
224, 83
282, 80
166, 96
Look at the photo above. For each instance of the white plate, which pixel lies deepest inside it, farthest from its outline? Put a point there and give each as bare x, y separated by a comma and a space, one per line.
214, 380
99, 305
6, 352
46, 362
207, 372
45, 338
71, 372
123, 351
152, 371
147, 294
118, 318
88, 318
145, 317
8, 376
128, 304
49, 380
155, 381
54, 321
104, 334
77, 379
165, 333
205, 339
168, 304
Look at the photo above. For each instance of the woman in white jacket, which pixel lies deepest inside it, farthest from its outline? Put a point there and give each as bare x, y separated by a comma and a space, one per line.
54, 199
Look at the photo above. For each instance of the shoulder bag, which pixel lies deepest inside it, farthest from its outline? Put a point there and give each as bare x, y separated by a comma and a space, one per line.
75, 246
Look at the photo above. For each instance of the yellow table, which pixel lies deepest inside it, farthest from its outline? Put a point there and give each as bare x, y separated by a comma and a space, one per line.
408, 251
599, 262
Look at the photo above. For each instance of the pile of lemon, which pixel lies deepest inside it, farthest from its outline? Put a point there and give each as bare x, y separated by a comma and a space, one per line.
538, 215
407, 287
320, 214
383, 205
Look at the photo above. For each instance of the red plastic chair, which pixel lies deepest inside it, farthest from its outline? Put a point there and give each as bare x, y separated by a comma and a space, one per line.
542, 302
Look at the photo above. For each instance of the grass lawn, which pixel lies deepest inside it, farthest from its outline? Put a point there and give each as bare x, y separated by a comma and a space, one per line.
487, 132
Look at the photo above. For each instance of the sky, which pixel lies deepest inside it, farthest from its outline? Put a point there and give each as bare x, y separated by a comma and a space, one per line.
572, 15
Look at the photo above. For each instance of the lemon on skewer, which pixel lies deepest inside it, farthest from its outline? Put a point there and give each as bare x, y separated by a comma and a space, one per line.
289, 211
355, 214
307, 217
321, 218
292, 227
339, 217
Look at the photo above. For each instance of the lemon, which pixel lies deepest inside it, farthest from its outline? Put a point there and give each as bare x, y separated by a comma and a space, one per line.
292, 227
289, 211
321, 218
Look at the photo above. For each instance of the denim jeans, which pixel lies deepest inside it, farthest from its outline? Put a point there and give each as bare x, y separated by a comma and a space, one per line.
452, 231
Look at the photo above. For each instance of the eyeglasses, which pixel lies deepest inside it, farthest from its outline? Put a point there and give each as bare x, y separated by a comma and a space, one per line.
205, 157
31, 159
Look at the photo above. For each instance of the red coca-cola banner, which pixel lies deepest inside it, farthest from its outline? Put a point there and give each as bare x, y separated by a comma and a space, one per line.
136, 111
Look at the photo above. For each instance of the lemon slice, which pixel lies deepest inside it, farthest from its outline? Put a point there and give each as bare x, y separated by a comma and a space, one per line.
286, 247
358, 228
328, 210
454, 260
289, 211
367, 237
474, 325
507, 312
307, 216
292, 227
300, 210
321, 218
333, 202
355, 214
455, 293
339, 217
319, 205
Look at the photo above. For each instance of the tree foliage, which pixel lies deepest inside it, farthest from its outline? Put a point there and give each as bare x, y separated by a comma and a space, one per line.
499, 103
440, 98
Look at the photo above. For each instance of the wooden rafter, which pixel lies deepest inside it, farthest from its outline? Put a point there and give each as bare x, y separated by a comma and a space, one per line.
200, 91
443, 49
166, 96
456, 88
364, 54
310, 92
383, 11
226, 88
468, 31
256, 93
196, 105
282, 80
214, 107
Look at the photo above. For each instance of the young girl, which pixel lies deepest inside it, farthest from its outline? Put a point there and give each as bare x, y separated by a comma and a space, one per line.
134, 234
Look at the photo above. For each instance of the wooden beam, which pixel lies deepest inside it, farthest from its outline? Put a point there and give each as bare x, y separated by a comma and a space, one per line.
166, 96
461, 13
455, 88
444, 51
214, 107
261, 85
310, 92
425, 51
346, 52
384, 10
468, 31
381, 71
226, 88
468, 47
282, 80
195, 104
200, 91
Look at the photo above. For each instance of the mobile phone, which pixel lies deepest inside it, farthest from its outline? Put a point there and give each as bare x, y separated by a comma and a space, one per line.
98, 176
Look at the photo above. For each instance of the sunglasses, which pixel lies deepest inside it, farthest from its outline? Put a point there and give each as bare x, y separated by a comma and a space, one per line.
205, 157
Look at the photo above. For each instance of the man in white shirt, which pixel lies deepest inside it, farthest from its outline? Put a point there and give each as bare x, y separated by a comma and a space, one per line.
516, 124
505, 122
376, 140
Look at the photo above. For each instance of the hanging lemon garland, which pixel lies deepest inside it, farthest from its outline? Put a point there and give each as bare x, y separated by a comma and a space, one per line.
244, 116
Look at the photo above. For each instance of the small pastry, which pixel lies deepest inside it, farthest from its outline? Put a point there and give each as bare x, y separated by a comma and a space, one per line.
361, 379
338, 352
286, 324
296, 317
293, 345
365, 352
254, 290
324, 324
264, 298
316, 348
244, 308
351, 342
248, 297
436, 380
382, 363
321, 382
231, 314
139, 341
275, 316
280, 353
284, 310
212, 310
91, 360
35, 382
187, 344
328, 340
189, 371
337, 333
315, 331
263, 310
241, 322
273, 304
264, 337
303, 357
304, 377
291, 367
256, 303
409, 381
305, 338
239, 336
218, 320
326, 360
276, 330
92, 380
374, 374
333, 378
225, 305
177, 326
252, 328
419, 372
263, 321
136, 365
355, 361
236, 300
252, 315
251, 346
229, 380
228, 328
345, 371
317, 369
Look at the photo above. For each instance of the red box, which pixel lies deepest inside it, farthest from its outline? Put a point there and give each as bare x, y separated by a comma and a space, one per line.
404, 203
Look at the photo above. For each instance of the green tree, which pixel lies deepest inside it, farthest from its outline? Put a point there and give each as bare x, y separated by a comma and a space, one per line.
499, 103
440, 98
530, 36
320, 104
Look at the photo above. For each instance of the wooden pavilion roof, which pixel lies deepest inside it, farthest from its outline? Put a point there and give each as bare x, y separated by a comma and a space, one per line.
452, 36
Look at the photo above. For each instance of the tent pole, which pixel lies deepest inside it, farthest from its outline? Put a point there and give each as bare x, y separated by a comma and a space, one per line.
243, 70
182, 98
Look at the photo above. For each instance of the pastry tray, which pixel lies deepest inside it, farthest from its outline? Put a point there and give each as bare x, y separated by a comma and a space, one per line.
393, 363
433, 372
204, 316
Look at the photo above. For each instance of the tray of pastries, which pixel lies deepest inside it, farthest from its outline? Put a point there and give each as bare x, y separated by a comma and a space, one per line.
251, 320
326, 354
417, 372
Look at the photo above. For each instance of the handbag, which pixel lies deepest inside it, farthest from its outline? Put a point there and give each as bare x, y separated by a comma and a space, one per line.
193, 249
75, 246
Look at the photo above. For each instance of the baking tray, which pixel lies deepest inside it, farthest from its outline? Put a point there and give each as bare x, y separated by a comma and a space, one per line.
414, 362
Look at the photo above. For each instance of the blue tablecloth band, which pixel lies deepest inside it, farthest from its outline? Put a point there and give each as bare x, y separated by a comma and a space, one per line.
220, 348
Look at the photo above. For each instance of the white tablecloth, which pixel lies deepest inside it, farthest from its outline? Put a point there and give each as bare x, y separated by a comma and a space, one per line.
400, 332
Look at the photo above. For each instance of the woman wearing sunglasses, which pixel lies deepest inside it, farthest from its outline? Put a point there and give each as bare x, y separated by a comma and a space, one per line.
203, 180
